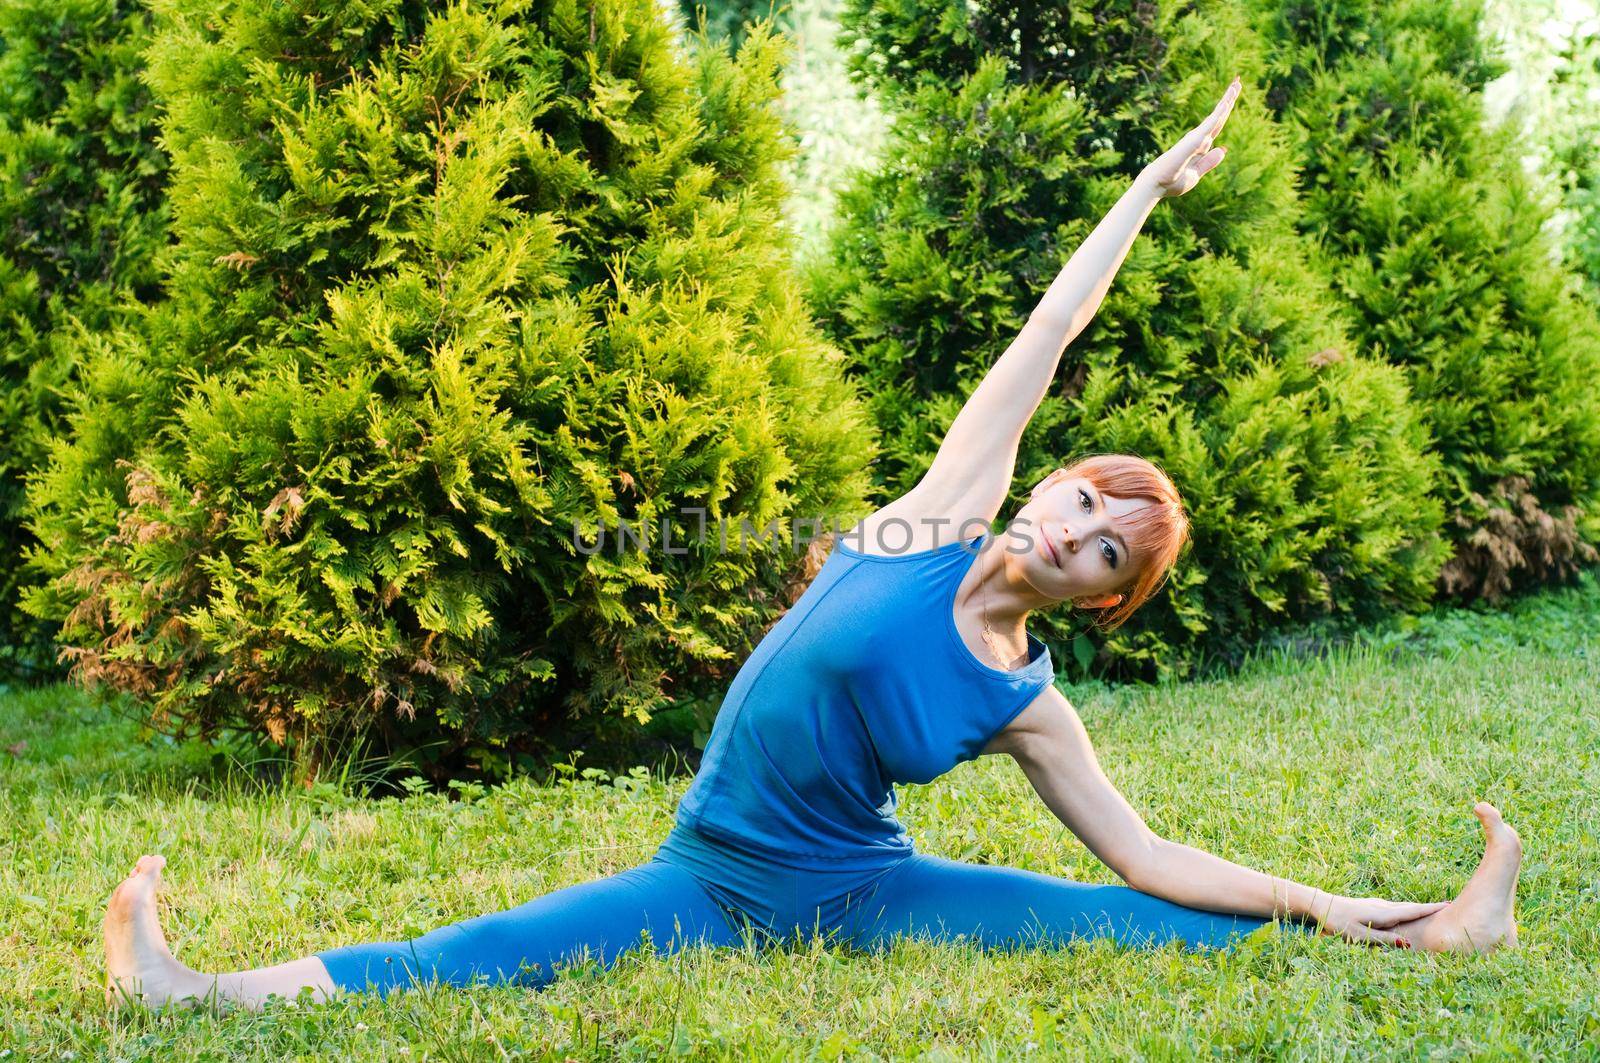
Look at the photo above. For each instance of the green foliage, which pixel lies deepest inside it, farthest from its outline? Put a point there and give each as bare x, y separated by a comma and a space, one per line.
1550, 93
449, 286
1435, 239
1112, 55
839, 127
81, 219
1219, 353
727, 20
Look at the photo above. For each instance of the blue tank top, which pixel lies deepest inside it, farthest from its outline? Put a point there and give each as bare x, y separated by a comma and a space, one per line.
863, 683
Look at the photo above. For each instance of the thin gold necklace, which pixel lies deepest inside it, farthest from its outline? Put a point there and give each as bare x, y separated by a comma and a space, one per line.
988, 636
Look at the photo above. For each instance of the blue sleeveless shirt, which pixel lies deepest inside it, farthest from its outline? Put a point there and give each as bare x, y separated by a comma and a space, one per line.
863, 683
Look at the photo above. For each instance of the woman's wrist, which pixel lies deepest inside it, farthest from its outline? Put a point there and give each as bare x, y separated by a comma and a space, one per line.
1303, 902
1147, 186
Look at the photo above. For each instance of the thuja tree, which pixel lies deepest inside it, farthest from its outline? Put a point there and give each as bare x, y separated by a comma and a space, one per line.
457, 294
1434, 239
82, 216
1218, 354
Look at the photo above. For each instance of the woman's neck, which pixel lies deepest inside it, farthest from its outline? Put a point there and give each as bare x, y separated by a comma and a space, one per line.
998, 606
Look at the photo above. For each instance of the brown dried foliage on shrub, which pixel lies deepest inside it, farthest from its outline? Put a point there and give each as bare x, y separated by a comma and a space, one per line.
1514, 543
97, 663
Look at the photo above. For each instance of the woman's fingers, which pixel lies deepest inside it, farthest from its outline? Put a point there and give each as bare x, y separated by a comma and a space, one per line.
1373, 936
1209, 160
1219, 114
1375, 911
1200, 138
1395, 912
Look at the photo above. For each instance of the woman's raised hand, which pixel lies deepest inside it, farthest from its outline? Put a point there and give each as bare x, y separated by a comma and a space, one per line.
1191, 158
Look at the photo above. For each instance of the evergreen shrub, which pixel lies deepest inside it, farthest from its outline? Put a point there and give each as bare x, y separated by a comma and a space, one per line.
1435, 239
1219, 353
448, 283
82, 216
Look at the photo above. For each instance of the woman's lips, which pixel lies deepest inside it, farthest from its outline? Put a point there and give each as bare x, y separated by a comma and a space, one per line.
1055, 558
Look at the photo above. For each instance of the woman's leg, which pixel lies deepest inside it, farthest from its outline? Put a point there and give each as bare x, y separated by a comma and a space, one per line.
929, 896
598, 919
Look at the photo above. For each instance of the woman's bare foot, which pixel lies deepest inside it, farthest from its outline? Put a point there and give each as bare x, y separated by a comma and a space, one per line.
1481, 918
139, 966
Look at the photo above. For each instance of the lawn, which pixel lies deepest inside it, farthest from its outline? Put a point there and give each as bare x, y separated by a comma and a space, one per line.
1355, 770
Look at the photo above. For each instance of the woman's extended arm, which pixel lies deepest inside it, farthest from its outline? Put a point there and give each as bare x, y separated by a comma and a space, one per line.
978, 454
1049, 742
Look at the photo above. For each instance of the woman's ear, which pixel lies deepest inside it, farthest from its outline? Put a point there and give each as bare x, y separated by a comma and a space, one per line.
1105, 601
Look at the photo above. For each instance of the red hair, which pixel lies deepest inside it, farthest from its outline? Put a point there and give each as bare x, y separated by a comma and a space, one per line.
1156, 532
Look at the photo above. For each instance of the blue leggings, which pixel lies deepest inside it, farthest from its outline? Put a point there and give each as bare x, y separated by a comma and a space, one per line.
696, 891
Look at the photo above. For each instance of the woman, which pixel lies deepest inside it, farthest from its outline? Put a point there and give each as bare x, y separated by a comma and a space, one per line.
897, 663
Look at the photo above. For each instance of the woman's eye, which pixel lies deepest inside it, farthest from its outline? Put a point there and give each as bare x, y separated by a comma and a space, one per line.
1109, 552
1083, 496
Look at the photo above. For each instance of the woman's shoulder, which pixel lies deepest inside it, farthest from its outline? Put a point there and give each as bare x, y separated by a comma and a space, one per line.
918, 521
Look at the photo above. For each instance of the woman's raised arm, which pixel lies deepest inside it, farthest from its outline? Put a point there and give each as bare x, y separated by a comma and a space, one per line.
972, 471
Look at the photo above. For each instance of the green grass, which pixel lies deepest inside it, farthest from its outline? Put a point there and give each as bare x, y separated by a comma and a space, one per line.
1355, 771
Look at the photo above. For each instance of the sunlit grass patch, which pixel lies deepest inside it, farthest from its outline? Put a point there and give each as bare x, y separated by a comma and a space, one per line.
1355, 771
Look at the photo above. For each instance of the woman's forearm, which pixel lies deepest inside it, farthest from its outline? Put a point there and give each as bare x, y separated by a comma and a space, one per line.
980, 447
1010, 392
1072, 299
1197, 879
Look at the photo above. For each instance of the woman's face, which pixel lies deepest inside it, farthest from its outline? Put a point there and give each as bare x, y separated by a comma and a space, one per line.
1069, 543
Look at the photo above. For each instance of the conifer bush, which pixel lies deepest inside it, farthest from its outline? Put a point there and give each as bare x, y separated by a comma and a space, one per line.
82, 216
448, 283
1433, 236
1219, 353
